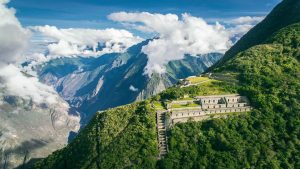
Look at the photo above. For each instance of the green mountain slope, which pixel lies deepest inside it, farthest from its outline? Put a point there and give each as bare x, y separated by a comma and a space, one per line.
284, 14
117, 138
268, 137
269, 75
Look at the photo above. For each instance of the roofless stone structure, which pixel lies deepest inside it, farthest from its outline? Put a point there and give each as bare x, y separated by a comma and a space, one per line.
209, 105
204, 107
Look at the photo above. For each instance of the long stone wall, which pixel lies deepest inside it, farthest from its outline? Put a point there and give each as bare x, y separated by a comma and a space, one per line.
196, 115
209, 105
182, 102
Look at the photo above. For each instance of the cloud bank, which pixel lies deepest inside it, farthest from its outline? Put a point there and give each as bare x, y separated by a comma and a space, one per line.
13, 40
177, 36
29, 110
29, 88
13, 36
86, 42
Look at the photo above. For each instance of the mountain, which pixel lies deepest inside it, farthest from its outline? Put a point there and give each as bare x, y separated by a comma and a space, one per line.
273, 22
30, 130
268, 73
92, 84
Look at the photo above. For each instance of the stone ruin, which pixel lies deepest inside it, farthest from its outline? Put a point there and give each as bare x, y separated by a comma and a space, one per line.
216, 106
208, 105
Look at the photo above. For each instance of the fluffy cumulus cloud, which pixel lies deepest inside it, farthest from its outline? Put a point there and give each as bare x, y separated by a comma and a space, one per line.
13, 40
27, 87
177, 36
13, 37
181, 35
86, 42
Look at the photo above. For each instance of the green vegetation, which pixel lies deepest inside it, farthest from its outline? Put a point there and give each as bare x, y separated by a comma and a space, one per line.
158, 105
284, 14
212, 87
123, 137
185, 105
269, 75
195, 80
226, 77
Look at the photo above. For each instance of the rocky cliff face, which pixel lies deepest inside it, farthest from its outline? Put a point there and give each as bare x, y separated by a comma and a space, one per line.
29, 130
92, 84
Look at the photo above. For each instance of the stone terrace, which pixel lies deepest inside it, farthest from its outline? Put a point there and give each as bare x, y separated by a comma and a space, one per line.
208, 105
198, 109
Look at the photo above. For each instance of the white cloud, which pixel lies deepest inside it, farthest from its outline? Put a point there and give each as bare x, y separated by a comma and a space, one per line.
84, 42
245, 20
13, 37
13, 82
32, 96
237, 27
17, 84
132, 88
177, 36
13, 40
4, 1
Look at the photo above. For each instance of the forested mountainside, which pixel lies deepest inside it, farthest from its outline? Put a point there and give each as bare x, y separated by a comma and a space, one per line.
284, 14
268, 137
92, 84
269, 74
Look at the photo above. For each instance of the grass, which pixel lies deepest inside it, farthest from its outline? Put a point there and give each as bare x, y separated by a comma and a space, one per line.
187, 98
184, 105
214, 87
195, 80
227, 77
158, 105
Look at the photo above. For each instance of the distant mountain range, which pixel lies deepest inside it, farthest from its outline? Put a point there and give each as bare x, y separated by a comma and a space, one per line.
92, 84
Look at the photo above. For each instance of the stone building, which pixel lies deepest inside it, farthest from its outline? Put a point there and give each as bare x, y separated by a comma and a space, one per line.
209, 105
211, 102
222, 101
236, 101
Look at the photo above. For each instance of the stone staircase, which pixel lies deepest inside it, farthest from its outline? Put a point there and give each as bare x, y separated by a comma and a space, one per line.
162, 137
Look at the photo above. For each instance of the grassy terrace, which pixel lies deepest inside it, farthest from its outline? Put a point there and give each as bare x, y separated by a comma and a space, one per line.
158, 105
174, 106
227, 77
213, 87
195, 80
204, 86
207, 87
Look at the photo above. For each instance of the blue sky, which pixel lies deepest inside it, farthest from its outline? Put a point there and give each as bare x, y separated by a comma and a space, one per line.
93, 13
